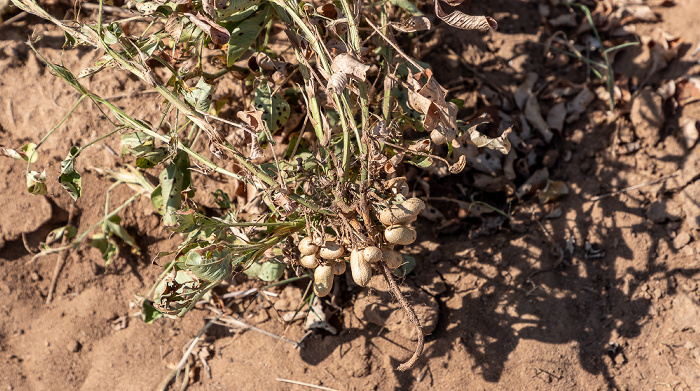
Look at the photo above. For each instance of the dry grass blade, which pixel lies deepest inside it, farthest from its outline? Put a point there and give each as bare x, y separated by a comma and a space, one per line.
466, 22
305, 384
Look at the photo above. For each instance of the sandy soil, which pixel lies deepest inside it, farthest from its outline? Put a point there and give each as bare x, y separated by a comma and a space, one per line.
604, 297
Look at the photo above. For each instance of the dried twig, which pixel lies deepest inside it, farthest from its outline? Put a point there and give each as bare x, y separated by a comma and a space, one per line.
626, 189
305, 384
411, 316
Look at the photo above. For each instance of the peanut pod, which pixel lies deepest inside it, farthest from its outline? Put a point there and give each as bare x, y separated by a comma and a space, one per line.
399, 234
372, 254
309, 261
339, 267
331, 250
361, 270
323, 280
392, 258
307, 247
403, 213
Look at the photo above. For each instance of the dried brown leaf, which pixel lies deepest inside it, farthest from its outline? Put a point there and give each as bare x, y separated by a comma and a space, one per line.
412, 24
466, 22
534, 117
349, 65
500, 143
253, 118
218, 34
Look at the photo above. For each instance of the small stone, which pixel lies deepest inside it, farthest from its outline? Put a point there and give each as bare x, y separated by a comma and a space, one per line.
664, 209
681, 240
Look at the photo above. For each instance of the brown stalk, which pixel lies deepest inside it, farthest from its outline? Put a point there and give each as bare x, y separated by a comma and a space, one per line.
410, 312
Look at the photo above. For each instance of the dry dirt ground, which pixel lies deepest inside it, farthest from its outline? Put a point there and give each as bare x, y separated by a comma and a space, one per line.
604, 296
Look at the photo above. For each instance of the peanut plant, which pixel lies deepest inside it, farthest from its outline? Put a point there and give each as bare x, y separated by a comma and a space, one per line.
332, 107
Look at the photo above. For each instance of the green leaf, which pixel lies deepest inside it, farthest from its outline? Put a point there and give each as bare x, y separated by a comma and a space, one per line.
57, 234
235, 7
200, 95
171, 188
420, 161
271, 270
70, 179
407, 266
222, 199
408, 6
253, 270
114, 227
108, 249
275, 109
243, 33
148, 313
213, 266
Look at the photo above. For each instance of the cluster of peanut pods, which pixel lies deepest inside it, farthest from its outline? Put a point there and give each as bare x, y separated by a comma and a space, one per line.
327, 258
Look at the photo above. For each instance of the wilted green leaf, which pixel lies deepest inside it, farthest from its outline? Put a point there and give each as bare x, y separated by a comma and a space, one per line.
70, 179
407, 266
222, 199
213, 266
275, 109
58, 234
108, 249
243, 33
113, 226
36, 183
171, 196
149, 314
420, 161
200, 95
408, 6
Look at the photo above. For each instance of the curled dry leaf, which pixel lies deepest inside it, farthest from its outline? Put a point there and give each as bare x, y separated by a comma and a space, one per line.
337, 82
253, 118
463, 21
412, 24
349, 65
578, 105
534, 117
500, 143
524, 90
556, 116
218, 34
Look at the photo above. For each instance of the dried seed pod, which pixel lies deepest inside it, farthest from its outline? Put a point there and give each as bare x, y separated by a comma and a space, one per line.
307, 247
372, 254
339, 267
323, 280
414, 204
392, 258
309, 261
331, 250
399, 234
403, 213
361, 270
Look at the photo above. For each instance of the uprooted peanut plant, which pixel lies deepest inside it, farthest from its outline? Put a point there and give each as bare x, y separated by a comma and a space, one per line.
332, 107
